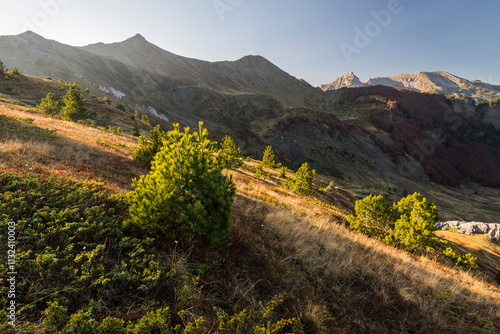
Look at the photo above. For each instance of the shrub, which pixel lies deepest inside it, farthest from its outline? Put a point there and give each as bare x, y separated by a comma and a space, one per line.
51, 104
408, 224
81, 323
302, 182
145, 119
111, 325
414, 228
120, 106
147, 150
372, 217
231, 153
55, 318
15, 71
282, 172
153, 322
269, 159
259, 172
106, 100
466, 261
6, 78
75, 86
329, 188
136, 132
2, 67
73, 107
185, 196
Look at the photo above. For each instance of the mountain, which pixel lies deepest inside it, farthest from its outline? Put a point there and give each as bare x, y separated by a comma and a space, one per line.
147, 77
346, 81
430, 82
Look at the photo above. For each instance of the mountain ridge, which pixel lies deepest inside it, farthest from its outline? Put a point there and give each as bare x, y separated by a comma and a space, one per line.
137, 63
441, 82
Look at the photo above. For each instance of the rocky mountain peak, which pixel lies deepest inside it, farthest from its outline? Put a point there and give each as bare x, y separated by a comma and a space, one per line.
137, 38
30, 34
440, 82
348, 80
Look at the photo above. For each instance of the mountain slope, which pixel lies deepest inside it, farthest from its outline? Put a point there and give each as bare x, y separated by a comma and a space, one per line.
145, 74
430, 82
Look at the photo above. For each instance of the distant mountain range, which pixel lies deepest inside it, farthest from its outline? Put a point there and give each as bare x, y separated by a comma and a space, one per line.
429, 82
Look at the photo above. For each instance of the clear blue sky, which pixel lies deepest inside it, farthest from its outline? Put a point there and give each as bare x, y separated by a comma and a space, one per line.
304, 38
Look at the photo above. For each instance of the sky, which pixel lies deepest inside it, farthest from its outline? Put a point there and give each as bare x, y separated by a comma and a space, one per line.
316, 40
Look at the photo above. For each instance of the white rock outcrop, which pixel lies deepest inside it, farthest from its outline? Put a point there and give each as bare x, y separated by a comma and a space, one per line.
491, 231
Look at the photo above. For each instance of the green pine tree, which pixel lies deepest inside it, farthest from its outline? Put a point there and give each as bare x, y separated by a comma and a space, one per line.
414, 229
2, 67
106, 99
51, 104
147, 149
302, 183
15, 71
136, 132
73, 106
145, 119
120, 106
269, 159
186, 196
408, 223
259, 172
282, 172
372, 216
231, 153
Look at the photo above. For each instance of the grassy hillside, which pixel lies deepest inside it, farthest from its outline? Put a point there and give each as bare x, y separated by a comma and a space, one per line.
289, 264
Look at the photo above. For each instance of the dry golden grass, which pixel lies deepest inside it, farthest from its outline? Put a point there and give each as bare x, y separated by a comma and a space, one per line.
346, 279
75, 151
486, 251
267, 189
347, 282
